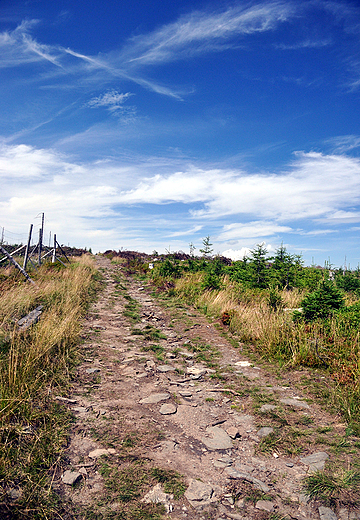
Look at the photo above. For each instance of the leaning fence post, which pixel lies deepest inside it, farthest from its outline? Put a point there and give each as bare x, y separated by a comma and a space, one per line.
14, 262
40, 246
27, 247
54, 250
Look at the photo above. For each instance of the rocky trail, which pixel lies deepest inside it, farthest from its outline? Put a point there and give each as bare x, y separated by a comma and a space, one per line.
169, 393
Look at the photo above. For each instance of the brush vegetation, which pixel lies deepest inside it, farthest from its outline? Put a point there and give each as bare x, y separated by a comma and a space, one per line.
35, 367
280, 310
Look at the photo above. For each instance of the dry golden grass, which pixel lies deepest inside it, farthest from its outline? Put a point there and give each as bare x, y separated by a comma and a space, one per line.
33, 365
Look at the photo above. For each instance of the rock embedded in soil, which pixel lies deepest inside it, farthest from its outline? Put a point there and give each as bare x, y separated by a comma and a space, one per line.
71, 477
267, 408
264, 432
218, 439
99, 452
265, 505
185, 393
168, 409
198, 493
92, 370
327, 514
316, 461
296, 403
165, 368
233, 473
155, 398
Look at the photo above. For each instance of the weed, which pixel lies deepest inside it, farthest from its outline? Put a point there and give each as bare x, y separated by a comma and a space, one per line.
334, 486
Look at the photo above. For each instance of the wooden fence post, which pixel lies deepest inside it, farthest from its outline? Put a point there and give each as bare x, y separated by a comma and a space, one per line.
14, 262
54, 250
27, 247
40, 246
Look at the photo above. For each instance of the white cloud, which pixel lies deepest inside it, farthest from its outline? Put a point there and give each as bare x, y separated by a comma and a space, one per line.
305, 44
181, 233
314, 186
252, 230
344, 143
202, 32
236, 254
86, 197
113, 100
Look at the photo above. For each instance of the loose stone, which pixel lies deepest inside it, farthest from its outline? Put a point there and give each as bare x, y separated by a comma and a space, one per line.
267, 408
233, 432
155, 398
185, 393
92, 370
295, 403
70, 477
316, 461
264, 432
198, 492
165, 368
99, 452
168, 409
219, 439
326, 513
265, 505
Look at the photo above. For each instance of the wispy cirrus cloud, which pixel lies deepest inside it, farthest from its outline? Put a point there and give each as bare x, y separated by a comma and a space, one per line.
305, 44
202, 32
19, 48
252, 230
344, 143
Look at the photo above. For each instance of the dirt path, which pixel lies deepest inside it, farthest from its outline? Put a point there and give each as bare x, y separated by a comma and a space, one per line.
148, 399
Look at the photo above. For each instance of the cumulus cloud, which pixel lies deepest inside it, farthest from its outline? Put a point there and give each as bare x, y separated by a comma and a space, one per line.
315, 188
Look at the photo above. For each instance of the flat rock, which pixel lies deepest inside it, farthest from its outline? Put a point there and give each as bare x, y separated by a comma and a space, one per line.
99, 452
218, 439
265, 505
155, 398
233, 473
243, 364
80, 409
70, 477
165, 368
185, 393
296, 403
327, 514
198, 492
168, 409
196, 371
267, 408
316, 461
92, 370
264, 432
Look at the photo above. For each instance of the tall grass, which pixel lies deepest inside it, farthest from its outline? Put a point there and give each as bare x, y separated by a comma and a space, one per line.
331, 345
34, 365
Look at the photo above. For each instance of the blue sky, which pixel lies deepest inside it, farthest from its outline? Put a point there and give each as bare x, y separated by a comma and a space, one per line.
149, 125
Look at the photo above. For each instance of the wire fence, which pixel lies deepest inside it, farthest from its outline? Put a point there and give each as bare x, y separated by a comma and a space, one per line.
32, 254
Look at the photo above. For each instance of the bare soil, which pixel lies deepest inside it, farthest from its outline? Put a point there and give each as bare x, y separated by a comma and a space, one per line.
211, 384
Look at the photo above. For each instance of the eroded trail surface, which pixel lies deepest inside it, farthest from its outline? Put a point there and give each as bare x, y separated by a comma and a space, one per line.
150, 399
